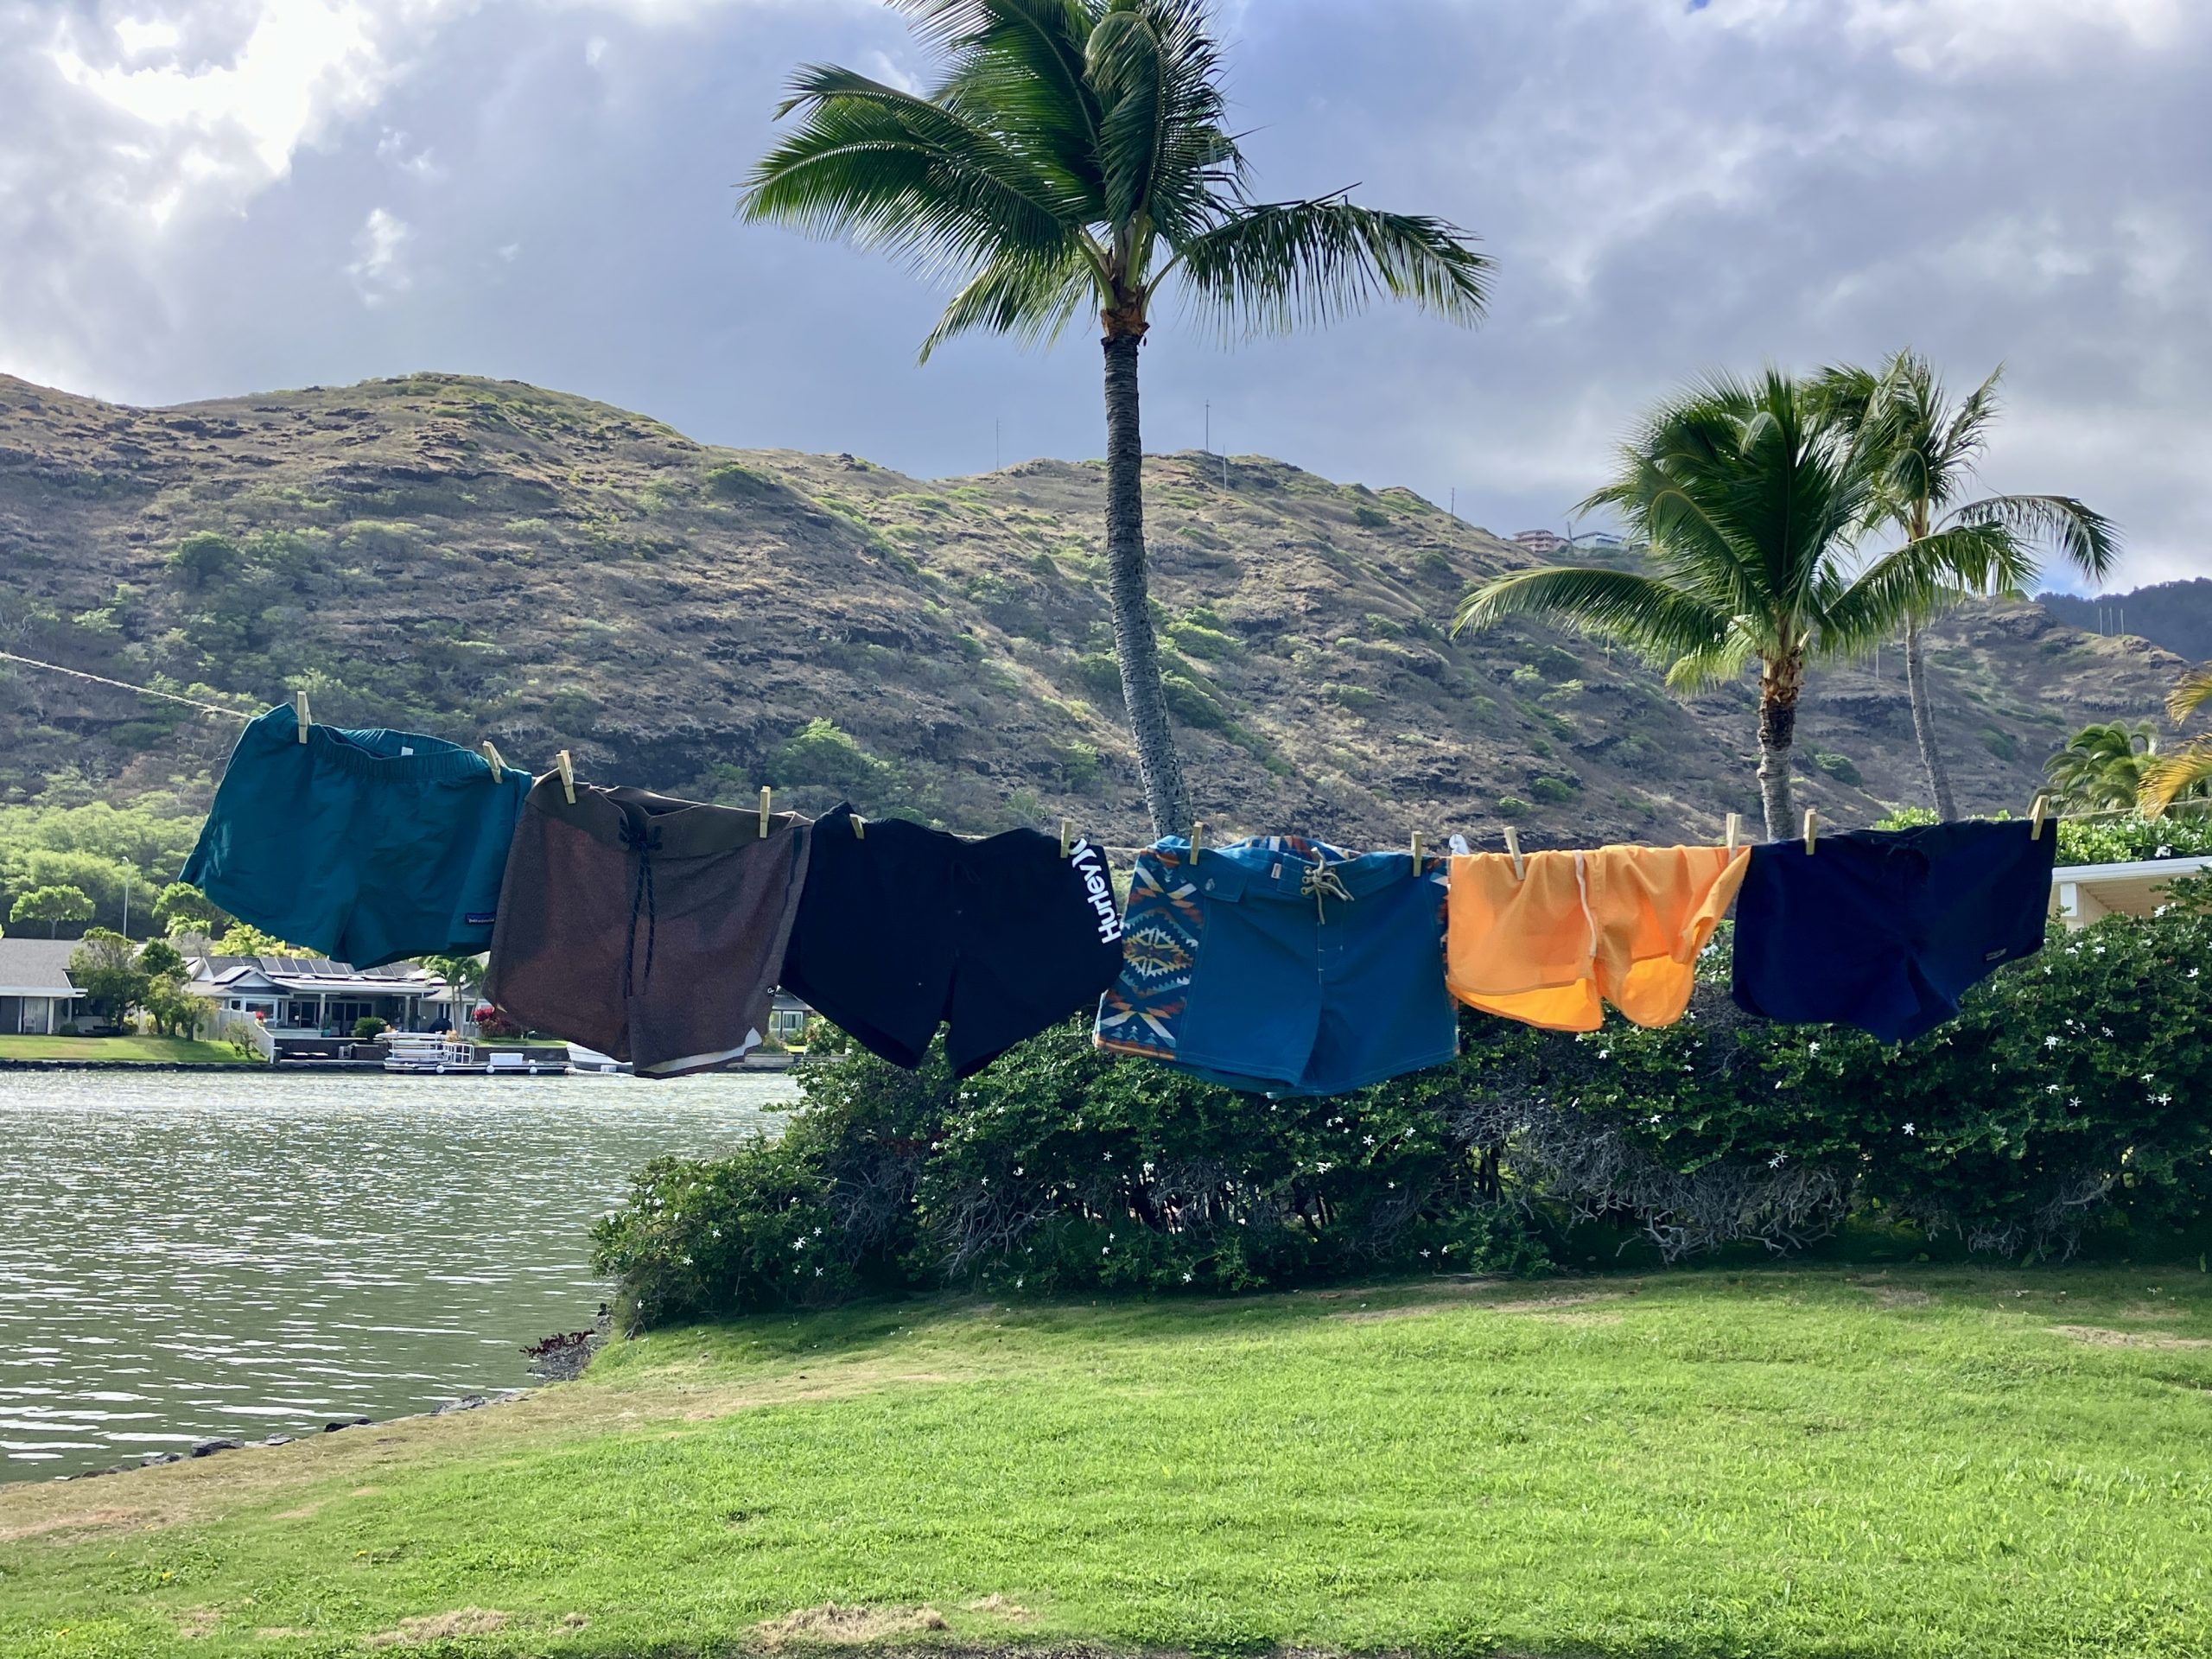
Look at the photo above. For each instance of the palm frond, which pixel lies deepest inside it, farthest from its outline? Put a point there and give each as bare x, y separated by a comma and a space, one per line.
1157, 75
2185, 774
2194, 692
1019, 65
1276, 266
1029, 299
1641, 612
889, 170
2087, 539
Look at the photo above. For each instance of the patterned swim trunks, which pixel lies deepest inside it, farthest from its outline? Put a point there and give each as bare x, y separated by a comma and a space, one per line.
1282, 965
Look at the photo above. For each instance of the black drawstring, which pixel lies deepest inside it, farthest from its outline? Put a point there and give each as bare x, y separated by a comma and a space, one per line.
645, 842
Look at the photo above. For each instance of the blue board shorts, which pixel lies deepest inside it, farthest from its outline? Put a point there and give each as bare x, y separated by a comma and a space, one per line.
1282, 966
1886, 929
368, 846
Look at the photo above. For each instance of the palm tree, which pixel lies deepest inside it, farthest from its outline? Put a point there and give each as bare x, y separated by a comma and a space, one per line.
1749, 499
2187, 775
1071, 155
1929, 449
2105, 766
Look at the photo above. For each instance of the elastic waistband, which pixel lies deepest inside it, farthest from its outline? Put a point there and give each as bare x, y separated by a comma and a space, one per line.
375, 752
684, 829
1271, 870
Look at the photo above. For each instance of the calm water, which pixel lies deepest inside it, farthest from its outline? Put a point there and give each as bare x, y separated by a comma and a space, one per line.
188, 1255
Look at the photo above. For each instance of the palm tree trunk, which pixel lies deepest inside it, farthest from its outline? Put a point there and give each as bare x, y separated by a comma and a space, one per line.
1159, 767
1923, 724
1780, 682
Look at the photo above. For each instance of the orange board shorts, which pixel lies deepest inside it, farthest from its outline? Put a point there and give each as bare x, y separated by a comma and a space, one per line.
1621, 924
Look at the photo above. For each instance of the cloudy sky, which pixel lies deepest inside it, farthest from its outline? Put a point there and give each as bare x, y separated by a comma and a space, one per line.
200, 198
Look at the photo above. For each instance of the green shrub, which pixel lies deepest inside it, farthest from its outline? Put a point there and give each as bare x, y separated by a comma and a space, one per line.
1079, 765
1370, 518
1357, 698
1552, 791
2003, 745
821, 754
1101, 674
2062, 1106
202, 557
368, 1028
732, 482
1839, 767
1513, 806
1193, 705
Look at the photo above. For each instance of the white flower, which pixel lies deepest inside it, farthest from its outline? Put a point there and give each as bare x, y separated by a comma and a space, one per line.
817, 1273
1812, 1048
1653, 1119
2050, 1088
1424, 1255
1367, 1139
2163, 1100
2074, 1100
687, 1261
1017, 1169
2050, 1042
1186, 1278
1604, 1053
1105, 1249
1778, 1161
1017, 1284
1911, 1128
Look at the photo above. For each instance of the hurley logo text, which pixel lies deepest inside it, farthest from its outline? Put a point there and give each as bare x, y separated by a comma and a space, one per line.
1099, 890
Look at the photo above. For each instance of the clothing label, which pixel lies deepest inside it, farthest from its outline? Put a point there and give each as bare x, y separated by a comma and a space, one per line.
480, 917
405, 750
1098, 889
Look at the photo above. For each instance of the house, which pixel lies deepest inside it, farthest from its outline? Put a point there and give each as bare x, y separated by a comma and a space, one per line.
315, 996
787, 1018
2079, 893
1542, 543
35, 992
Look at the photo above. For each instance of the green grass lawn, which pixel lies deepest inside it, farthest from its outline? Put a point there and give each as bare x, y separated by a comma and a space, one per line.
121, 1048
1835, 1462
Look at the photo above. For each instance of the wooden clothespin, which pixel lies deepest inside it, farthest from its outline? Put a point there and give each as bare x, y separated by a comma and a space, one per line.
765, 794
299, 710
2036, 815
567, 768
860, 828
1067, 836
1416, 852
1735, 831
1812, 828
1197, 836
491, 752
1513, 846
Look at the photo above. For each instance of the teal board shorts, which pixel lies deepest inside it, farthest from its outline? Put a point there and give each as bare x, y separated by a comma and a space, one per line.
368, 846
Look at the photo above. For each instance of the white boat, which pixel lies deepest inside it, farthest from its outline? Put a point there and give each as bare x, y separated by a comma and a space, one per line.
590, 1063
428, 1052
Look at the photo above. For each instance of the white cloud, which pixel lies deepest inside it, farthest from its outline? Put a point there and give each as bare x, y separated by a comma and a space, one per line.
595, 51
379, 269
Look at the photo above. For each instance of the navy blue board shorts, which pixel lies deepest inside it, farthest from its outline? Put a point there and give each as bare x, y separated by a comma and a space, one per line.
368, 846
902, 927
1282, 966
1886, 929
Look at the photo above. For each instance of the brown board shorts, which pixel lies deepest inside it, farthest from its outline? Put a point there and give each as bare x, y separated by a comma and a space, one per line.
649, 928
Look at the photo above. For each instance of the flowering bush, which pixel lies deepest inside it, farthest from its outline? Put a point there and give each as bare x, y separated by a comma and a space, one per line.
2069, 1095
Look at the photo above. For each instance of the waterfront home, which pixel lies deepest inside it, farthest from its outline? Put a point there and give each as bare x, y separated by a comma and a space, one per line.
316, 997
37, 995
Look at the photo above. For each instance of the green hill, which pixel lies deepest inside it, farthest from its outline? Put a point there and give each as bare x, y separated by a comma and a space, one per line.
485, 559
2175, 614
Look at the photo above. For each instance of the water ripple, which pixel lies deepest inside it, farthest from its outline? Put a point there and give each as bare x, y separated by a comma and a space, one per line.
184, 1255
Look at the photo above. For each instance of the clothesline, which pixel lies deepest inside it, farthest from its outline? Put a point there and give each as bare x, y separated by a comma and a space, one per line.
124, 685
235, 714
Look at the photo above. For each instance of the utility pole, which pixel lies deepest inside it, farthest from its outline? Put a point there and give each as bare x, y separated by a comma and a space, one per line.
1454, 509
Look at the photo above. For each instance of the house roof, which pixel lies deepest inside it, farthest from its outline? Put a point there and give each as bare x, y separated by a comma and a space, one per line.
2082, 892
309, 975
36, 968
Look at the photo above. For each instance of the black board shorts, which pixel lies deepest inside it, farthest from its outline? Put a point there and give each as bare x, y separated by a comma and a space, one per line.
903, 927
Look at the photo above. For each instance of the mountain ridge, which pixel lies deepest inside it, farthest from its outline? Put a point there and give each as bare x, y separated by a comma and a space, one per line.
484, 558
